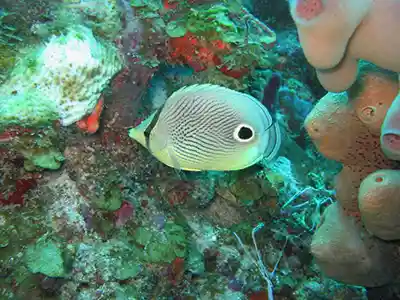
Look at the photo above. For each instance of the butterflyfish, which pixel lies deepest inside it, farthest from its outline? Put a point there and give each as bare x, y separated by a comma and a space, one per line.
206, 127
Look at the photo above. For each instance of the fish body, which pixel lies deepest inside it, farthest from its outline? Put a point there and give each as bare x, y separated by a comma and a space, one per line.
209, 127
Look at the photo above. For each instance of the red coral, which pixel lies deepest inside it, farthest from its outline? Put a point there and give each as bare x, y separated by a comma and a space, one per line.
192, 51
17, 197
124, 214
12, 132
168, 4
176, 270
200, 54
179, 192
231, 72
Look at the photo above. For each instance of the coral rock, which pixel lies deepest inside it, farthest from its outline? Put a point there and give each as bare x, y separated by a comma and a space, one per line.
66, 78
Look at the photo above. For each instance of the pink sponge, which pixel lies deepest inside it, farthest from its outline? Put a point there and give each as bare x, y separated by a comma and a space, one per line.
309, 9
390, 135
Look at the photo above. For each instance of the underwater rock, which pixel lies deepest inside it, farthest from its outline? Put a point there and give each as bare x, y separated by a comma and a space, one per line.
58, 74
106, 262
51, 286
65, 206
45, 257
195, 260
224, 213
162, 245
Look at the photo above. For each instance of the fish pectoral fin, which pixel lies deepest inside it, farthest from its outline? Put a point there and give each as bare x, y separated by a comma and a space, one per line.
173, 159
176, 165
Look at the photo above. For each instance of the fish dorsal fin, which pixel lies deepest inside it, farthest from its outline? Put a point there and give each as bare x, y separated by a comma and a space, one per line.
195, 89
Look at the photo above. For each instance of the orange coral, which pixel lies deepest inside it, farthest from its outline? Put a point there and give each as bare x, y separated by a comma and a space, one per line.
91, 123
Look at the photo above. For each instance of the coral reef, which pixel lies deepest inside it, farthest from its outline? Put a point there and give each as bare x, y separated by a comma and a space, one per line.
113, 223
212, 36
46, 87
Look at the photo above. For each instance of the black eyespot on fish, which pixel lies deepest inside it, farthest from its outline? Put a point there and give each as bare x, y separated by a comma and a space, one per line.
243, 133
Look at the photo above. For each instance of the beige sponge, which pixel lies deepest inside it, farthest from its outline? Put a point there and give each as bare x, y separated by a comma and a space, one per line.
325, 36
379, 203
348, 253
336, 34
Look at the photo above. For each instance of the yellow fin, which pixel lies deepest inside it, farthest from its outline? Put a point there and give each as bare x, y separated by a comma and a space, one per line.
137, 133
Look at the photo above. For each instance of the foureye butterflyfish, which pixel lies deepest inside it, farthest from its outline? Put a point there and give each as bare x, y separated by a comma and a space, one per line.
210, 127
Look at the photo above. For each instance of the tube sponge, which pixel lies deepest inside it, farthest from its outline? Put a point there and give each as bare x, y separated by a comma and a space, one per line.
326, 26
390, 132
379, 204
347, 253
346, 126
341, 77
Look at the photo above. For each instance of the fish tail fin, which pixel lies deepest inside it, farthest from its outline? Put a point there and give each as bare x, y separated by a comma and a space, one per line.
137, 135
139, 132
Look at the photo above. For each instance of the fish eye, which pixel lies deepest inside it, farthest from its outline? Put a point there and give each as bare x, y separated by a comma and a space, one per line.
243, 133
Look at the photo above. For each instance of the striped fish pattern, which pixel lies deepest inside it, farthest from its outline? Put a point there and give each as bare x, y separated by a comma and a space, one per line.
210, 127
